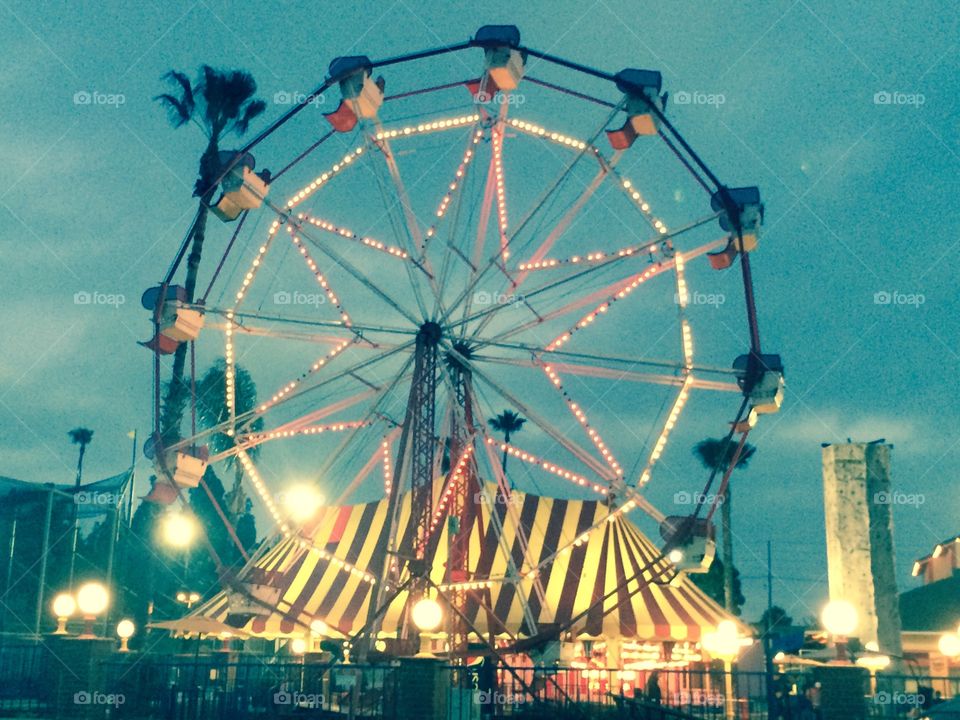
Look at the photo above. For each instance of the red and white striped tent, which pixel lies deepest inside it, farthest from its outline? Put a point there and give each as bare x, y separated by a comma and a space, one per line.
576, 551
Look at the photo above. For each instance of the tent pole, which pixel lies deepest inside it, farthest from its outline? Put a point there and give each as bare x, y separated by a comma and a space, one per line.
43, 561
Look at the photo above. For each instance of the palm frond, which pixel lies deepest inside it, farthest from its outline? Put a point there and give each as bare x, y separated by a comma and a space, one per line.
252, 111
177, 110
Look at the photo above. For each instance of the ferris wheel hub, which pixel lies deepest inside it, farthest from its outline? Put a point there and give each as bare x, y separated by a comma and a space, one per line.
430, 333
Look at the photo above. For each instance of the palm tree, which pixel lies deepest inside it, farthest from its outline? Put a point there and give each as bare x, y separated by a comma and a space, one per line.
78, 436
716, 454
220, 103
507, 422
212, 410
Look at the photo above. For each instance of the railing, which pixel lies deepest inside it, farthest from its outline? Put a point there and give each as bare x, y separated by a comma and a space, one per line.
220, 686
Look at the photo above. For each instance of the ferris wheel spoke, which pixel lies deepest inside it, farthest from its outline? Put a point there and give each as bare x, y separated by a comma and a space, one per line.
245, 419
578, 452
580, 273
358, 275
614, 360
405, 226
495, 260
239, 325
568, 217
346, 233
618, 374
375, 411
454, 194
378, 457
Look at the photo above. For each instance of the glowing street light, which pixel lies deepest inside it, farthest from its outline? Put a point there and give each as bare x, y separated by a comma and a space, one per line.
302, 502
874, 661
178, 529
427, 616
188, 598
298, 646
125, 631
92, 599
949, 645
725, 644
840, 619
63, 607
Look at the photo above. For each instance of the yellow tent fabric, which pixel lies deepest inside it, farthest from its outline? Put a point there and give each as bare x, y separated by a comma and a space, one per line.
576, 551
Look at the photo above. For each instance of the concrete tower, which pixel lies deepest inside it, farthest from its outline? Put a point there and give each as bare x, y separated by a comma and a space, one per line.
857, 501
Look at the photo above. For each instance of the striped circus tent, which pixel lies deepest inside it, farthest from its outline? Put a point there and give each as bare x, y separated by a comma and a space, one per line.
576, 554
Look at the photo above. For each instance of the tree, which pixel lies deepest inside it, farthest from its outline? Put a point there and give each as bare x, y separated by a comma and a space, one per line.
507, 422
78, 436
220, 103
212, 410
716, 454
713, 584
774, 620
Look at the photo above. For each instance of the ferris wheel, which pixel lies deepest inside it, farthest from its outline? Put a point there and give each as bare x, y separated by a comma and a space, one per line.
433, 257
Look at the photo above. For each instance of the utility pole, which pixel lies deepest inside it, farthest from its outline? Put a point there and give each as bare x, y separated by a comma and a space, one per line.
767, 638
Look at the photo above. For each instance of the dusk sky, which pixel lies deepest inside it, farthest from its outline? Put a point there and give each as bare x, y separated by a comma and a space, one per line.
845, 116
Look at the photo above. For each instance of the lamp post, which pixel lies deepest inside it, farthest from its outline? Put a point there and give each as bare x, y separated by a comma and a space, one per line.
63, 607
92, 599
873, 662
427, 616
125, 631
725, 644
840, 619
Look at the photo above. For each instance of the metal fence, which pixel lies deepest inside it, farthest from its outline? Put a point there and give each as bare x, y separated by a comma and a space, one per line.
35, 681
